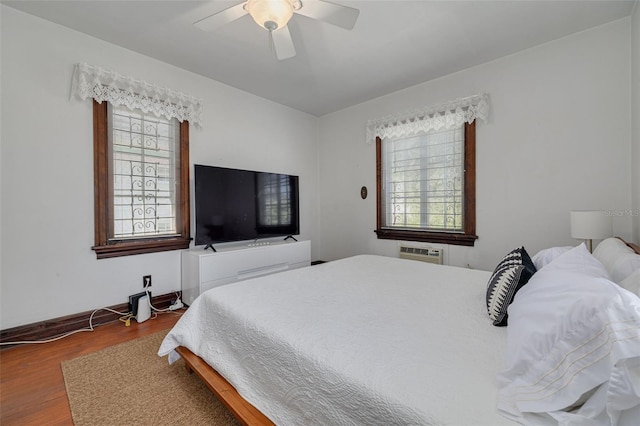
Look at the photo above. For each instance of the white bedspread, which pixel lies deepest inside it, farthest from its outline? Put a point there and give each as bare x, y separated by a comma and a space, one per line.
365, 340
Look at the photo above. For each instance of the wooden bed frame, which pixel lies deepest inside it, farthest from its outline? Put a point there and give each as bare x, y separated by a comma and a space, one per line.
246, 413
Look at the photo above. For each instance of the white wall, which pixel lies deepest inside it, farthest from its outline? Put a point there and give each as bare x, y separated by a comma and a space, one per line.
557, 139
47, 267
635, 109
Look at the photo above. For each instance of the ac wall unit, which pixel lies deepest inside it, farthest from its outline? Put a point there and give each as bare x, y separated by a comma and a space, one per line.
423, 254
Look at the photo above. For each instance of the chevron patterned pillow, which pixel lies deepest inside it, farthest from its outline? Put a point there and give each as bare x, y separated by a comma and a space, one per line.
513, 271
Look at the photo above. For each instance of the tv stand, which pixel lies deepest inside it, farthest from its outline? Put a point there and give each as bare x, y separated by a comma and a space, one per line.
203, 270
290, 237
212, 247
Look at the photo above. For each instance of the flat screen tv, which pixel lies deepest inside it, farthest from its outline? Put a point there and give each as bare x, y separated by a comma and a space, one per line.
240, 205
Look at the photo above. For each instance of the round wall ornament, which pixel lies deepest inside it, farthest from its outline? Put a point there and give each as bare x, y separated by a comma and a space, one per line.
363, 192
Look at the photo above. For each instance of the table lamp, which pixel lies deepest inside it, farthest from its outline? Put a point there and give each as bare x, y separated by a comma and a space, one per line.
591, 225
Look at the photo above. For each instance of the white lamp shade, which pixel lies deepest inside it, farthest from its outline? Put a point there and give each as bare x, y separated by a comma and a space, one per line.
591, 225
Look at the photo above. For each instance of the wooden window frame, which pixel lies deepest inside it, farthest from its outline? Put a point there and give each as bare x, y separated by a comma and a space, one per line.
103, 193
465, 238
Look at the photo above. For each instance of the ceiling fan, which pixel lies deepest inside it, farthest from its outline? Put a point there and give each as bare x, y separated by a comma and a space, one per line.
273, 16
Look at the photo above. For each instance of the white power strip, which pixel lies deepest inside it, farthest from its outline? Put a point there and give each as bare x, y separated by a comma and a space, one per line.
177, 305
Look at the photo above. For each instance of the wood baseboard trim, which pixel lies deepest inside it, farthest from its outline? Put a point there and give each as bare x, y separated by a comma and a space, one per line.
55, 327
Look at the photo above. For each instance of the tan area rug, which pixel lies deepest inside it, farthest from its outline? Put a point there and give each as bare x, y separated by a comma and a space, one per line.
128, 384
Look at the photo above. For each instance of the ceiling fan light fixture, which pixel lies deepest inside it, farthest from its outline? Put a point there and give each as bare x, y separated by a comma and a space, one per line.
270, 14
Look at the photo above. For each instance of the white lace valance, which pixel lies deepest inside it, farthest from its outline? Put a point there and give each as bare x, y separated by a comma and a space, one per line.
451, 114
90, 81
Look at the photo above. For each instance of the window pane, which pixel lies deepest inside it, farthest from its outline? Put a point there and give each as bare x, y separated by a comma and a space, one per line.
143, 170
274, 199
422, 184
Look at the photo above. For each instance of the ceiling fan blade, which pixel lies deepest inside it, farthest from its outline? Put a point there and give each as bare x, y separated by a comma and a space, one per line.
335, 14
215, 21
283, 43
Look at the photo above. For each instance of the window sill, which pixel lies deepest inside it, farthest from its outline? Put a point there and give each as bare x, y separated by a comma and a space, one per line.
427, 237
140, 247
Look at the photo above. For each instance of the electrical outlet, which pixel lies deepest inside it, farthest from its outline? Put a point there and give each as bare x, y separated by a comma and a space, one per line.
146, 281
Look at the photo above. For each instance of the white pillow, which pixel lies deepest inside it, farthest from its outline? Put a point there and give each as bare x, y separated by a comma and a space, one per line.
570, 330
609, 252
632, 283
546, 256
578, 259
624, 267
542, 304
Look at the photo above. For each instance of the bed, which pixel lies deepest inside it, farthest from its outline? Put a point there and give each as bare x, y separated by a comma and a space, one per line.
378, 340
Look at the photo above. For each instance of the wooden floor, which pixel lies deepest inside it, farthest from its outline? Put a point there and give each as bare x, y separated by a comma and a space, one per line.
32, 390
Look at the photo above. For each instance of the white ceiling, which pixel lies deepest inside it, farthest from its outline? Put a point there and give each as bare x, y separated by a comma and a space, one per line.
394, 44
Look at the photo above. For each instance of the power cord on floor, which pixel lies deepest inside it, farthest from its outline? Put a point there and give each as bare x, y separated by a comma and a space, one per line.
174, 306
125, 318
90, 328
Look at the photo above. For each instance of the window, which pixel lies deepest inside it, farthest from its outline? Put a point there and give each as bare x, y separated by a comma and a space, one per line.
141, 182
274, 200
426, 186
